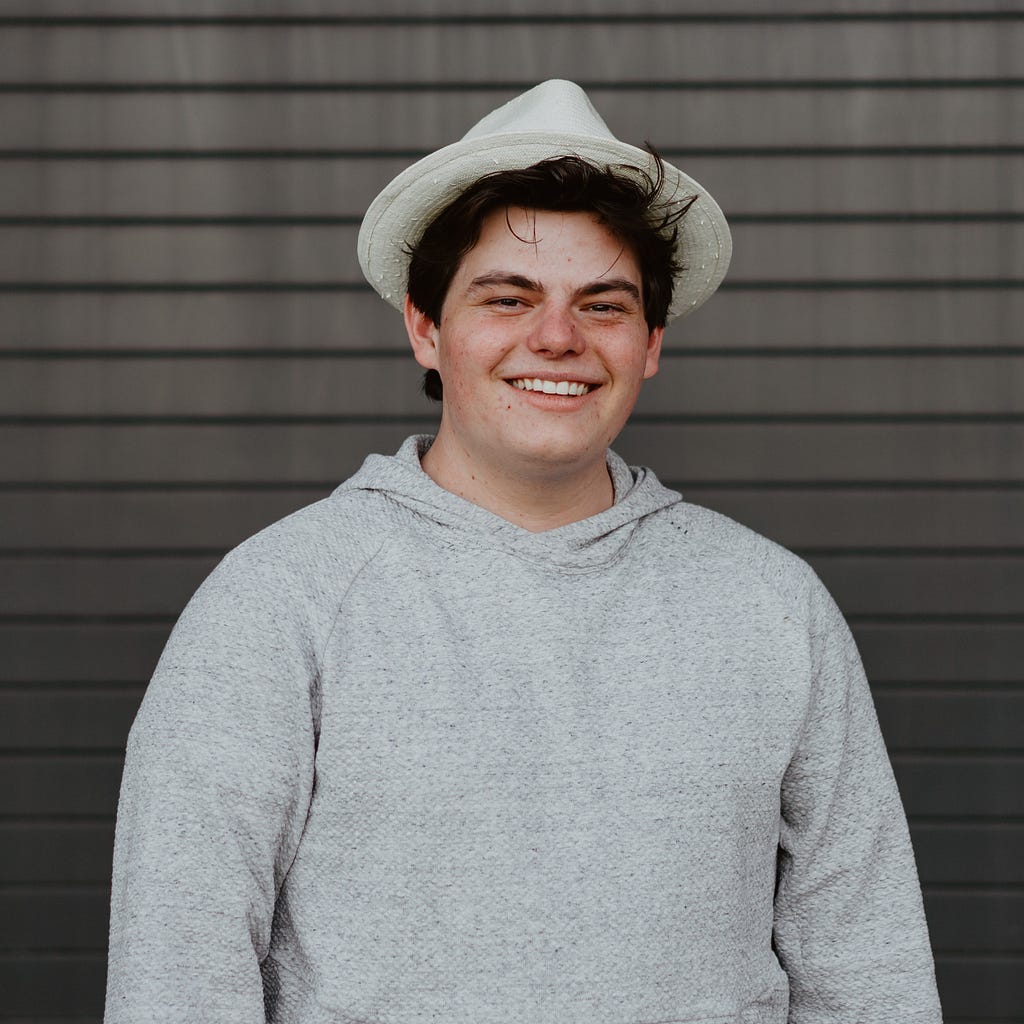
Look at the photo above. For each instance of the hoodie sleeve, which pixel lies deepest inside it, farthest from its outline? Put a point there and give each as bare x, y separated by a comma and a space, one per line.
849, 924
217, 783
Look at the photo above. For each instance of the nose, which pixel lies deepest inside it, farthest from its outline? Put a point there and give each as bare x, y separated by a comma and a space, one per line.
557, 333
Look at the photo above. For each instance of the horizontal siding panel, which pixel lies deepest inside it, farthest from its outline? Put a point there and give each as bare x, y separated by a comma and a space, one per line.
932, 185
824, 451
83, 719
164, 520
69, 719
971, 653
980, 987
123, 654
979, 720
105, 587
787, 318
934, 585
974, 787
970, 922
329, 453
41, 919
38, 852
417, 120
959, 854
614, 54
862, 585
217, 520
58, 983
862, 385
326, 254
894, 653
849, 517
42, 787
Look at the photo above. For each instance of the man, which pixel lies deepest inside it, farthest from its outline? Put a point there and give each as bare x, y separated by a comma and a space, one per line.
505, 731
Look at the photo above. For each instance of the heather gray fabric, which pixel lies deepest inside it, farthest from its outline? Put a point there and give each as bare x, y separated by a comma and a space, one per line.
402, 761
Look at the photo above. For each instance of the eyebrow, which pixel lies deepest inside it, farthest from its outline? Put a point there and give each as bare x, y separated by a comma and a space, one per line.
499, 277
611, 284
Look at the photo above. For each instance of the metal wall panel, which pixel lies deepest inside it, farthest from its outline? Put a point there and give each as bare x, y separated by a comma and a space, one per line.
187, 352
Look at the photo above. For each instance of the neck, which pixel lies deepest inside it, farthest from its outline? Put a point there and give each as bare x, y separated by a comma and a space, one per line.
536, 498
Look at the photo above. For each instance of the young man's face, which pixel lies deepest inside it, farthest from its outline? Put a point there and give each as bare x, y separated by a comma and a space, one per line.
544, 297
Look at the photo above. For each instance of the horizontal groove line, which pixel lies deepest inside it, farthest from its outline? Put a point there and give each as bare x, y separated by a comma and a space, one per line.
62, 820
50, 954
353, 220
677, 152
993, 822
113, 554
907, 551
205, 486
67, 688
845, 551
540, 18
427, 416
133, 688
925, 691
104, 752
1011, 956
962, 953
914, 618
386, 352
416, 87
985, 826
177, 354
88, 620
305, 287
29, 888
955, 486
862, 619
974, 888
955, 754
340, 419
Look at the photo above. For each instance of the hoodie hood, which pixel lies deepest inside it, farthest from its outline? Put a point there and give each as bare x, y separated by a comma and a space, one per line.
582, 545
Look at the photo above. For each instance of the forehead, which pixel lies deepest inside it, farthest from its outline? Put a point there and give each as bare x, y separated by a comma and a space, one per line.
565, 243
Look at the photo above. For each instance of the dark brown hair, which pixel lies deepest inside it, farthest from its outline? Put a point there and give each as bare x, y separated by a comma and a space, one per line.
626, 200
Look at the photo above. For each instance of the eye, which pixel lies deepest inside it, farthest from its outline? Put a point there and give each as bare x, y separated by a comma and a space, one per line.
506, 302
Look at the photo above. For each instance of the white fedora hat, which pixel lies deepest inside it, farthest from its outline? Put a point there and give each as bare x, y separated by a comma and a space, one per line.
553, 119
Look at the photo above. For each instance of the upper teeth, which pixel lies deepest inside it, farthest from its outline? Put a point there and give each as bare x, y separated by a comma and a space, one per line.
551, 387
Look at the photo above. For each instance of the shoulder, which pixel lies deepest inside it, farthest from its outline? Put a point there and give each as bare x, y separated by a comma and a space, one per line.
336, 532
742, 557
300, 567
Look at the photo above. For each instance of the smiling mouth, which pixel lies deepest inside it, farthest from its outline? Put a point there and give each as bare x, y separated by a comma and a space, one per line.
551, 387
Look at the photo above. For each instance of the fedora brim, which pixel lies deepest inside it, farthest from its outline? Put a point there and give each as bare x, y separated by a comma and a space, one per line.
397, 218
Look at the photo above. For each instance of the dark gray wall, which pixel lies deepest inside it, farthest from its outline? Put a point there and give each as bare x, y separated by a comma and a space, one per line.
188, 351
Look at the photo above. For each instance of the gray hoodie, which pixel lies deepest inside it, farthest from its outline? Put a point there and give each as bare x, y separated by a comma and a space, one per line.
403, 761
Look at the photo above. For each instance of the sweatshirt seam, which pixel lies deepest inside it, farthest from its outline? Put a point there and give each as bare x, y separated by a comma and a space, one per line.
321, 653
757, 567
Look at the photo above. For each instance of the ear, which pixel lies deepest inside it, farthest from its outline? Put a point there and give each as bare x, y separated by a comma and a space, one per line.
653, 352
423, 334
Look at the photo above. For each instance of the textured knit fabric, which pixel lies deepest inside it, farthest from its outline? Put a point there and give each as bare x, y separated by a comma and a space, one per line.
403, 761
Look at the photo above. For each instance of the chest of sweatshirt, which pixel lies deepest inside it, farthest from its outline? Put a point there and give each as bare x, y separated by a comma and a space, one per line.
453, 665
